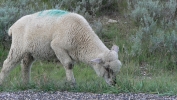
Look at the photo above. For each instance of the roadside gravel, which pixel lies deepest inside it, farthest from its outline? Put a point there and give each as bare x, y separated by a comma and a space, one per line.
32, 95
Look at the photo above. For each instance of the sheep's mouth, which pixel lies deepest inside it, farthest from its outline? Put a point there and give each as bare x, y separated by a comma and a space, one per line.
109, 76
111, 83
114, 82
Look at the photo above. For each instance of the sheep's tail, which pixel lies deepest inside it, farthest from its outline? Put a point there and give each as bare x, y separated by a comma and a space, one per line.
10, 32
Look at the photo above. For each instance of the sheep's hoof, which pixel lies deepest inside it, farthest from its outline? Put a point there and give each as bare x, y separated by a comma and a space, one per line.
71, 84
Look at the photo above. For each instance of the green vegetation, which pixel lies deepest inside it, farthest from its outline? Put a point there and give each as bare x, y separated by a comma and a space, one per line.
145, 33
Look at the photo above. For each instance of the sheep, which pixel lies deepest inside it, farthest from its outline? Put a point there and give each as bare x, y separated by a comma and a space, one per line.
61, 35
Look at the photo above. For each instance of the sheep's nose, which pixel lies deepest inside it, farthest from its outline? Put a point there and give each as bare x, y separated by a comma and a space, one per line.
114, 82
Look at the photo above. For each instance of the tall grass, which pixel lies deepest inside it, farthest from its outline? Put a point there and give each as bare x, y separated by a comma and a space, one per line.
3, 54
156, 36
50, 77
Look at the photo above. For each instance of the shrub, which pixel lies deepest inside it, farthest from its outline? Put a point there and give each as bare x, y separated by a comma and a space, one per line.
156, 34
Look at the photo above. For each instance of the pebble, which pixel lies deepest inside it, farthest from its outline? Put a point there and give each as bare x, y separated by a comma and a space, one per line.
40, 95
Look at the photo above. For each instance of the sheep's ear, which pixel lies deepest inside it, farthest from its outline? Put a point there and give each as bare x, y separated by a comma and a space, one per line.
96, 61
115, 48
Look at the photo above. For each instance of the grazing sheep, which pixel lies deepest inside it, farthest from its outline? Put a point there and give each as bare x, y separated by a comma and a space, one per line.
57, 34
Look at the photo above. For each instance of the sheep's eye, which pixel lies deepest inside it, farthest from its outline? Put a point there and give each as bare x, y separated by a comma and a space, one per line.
108, 69
110, 72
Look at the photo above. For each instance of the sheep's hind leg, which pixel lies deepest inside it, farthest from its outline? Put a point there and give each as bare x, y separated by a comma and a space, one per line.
12, 60
26, 68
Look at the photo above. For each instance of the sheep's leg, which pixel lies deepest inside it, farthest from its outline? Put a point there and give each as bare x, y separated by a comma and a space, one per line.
69, 74
26, 68
68, 65
66, 61
12, 60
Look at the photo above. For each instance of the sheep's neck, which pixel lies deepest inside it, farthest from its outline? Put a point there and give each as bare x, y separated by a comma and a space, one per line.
93, 51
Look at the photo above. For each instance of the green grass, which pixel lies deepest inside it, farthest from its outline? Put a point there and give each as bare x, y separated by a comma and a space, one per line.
3, 54
141, 74
49, 77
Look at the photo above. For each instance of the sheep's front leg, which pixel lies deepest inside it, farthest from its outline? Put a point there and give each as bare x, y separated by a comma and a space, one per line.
26, 68
69, 74
66, 61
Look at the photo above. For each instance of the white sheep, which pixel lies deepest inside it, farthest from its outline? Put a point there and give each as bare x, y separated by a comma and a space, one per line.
57, 34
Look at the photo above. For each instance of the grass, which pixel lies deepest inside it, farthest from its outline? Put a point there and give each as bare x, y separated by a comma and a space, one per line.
141, 74
49, 77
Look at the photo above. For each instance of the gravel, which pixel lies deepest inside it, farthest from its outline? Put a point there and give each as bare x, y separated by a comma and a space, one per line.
32, 95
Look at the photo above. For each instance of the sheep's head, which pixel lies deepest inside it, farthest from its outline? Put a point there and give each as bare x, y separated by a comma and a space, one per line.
108, 66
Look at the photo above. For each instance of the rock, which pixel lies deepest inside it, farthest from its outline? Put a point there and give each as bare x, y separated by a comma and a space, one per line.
112, 21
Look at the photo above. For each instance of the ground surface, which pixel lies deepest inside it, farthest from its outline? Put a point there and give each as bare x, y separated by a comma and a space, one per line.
31, 95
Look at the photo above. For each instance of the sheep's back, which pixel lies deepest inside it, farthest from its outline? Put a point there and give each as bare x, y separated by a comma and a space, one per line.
35, 33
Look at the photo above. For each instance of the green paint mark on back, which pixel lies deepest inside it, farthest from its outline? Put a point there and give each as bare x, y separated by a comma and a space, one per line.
53, 12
